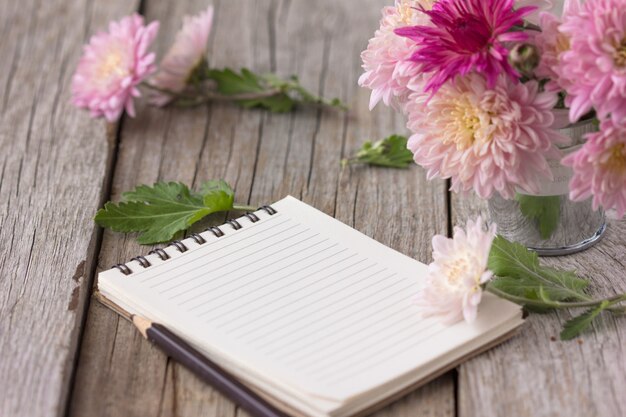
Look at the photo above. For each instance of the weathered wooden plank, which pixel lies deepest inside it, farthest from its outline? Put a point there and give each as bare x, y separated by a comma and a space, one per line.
118, 373
265, 156
54, 165
535, 374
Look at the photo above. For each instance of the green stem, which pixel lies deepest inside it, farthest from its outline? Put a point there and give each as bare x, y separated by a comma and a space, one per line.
206, 96
556, 304
243, 207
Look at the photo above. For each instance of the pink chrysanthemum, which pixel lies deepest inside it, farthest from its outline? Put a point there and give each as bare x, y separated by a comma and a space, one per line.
112, 65
552, 43
182, 59
452, 290
595, 63
386, 61
466, 36
600, 168
540, 7
485, 139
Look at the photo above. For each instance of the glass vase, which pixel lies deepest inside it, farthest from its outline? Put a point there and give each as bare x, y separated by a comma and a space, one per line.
549, 222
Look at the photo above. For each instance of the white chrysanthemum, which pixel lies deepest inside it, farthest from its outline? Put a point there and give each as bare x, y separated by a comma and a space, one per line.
452, 290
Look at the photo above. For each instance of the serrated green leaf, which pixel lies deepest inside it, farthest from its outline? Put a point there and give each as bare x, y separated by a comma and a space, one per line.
230, 83
282, 94
298, 92
162, 192
543, 210
519, 273
217, 195
388, 152
164, 210
578, 324
280, 103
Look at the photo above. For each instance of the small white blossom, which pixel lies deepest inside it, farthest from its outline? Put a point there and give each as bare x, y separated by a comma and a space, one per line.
452, 290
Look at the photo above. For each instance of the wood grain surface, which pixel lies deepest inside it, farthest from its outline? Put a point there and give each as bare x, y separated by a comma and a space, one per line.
535, 374
54, 169
265, 157
63, 353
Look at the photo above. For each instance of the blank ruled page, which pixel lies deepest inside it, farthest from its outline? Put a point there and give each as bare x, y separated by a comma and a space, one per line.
298, 300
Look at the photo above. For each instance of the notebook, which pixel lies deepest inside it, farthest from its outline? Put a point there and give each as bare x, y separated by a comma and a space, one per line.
310, 313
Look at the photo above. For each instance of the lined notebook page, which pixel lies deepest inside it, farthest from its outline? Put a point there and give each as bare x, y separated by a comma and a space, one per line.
299, 300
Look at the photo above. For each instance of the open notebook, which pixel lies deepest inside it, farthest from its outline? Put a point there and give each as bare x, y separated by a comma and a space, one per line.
305, 310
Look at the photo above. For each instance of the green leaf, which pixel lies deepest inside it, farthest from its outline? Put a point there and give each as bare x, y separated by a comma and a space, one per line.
293, 87
274, 94
388, 152
163, 210
280, 103
544, 210
519, 273
217, 195
230, 83
578, 324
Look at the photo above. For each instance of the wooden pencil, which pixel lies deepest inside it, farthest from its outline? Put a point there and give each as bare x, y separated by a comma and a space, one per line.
222, 381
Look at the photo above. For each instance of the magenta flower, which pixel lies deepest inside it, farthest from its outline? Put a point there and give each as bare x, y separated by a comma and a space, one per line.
467, 36
452, 290
600, 168
184, 56
488, 140
112, 65
387, 59
595, 63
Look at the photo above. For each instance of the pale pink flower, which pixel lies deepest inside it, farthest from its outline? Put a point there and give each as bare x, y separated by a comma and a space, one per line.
386, 61
112, 65
185, 55
552, 43
600, 168
489, 140
452, 290
595, 63
540, 5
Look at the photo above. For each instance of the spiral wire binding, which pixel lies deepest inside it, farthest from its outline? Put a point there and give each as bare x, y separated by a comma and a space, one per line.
234, 223
196, 237
161, 253
180, 246
215, 230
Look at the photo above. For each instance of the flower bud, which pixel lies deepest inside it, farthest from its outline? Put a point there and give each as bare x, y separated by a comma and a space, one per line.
524, 57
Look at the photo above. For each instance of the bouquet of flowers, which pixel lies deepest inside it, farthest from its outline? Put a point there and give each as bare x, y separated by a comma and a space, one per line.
479, 82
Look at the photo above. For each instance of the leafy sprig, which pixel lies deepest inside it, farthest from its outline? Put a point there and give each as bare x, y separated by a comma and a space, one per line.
519, 277
163, 211
389, 152
248, 89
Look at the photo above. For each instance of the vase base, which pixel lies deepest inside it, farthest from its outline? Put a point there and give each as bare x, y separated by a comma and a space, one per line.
568, 250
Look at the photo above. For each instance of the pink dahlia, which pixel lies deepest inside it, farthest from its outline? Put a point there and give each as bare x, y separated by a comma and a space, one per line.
112, 65
452, 290
595, 63
600, 168
485, 139
386, 61
466, 36
184, 57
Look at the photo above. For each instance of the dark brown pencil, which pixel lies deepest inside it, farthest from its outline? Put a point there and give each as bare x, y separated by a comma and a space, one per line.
183, 353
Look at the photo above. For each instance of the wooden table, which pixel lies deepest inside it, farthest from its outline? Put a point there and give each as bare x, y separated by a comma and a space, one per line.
62, 353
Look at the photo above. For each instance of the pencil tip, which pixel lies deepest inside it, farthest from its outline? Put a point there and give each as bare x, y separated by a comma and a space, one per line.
142, 324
